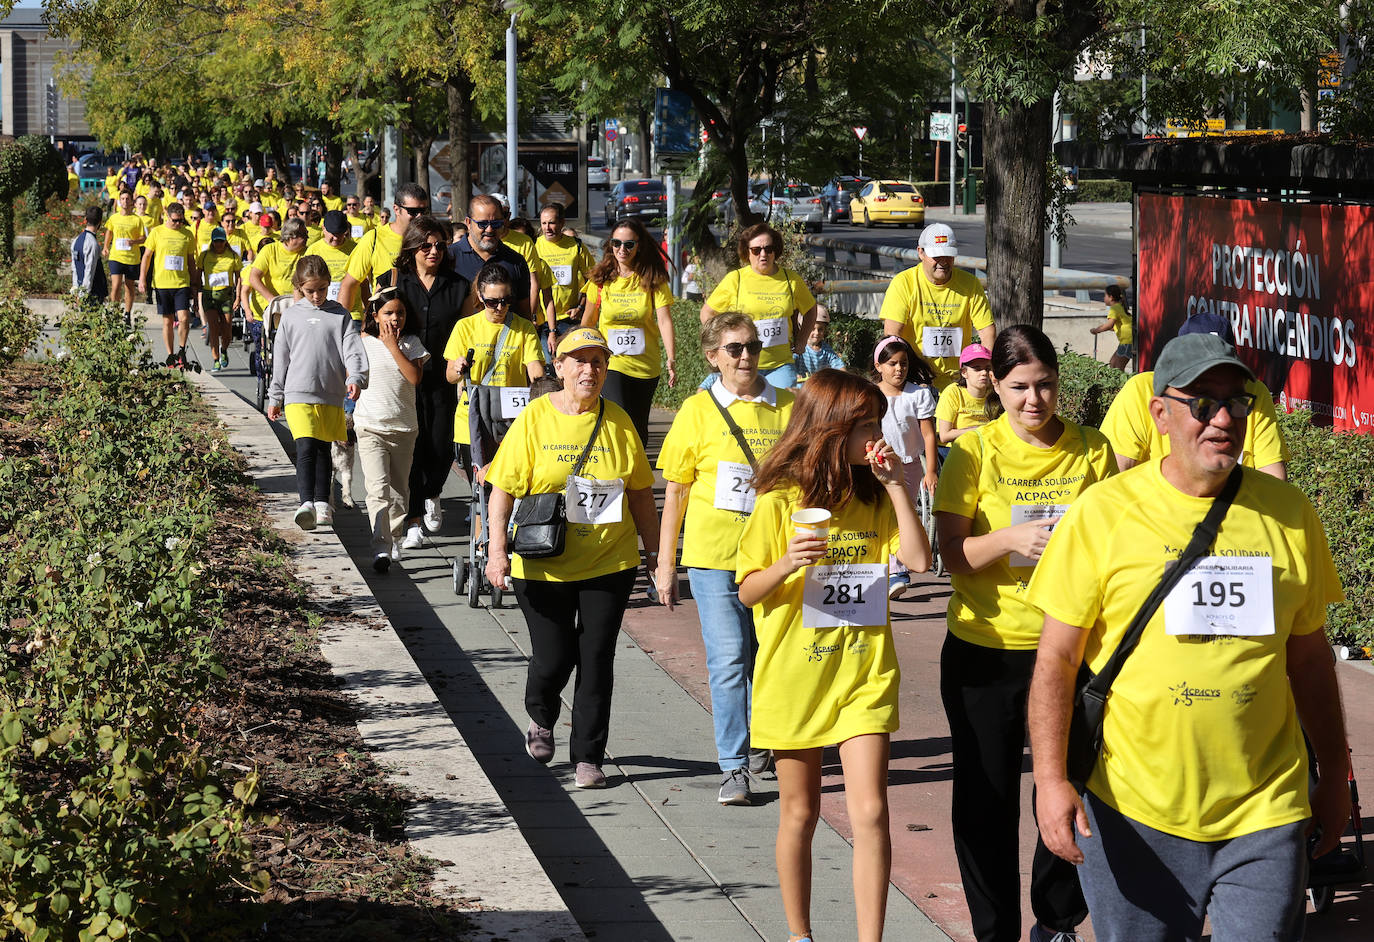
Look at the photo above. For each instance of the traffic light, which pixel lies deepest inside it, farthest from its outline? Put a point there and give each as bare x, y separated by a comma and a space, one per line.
961, 140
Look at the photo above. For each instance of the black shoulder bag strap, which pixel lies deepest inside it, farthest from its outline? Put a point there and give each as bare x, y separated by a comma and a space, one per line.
735, 430
596, 430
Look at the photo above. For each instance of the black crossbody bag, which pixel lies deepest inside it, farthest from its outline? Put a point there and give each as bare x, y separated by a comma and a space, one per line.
736, 431
541, 520
1090, 698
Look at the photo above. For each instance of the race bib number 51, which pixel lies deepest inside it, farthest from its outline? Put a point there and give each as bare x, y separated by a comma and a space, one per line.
1223, 595
594, 502
845, 596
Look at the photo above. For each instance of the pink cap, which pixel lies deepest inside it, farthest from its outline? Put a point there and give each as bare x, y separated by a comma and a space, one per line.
974, 351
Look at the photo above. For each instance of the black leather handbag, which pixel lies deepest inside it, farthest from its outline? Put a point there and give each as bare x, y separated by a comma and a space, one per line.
541, 520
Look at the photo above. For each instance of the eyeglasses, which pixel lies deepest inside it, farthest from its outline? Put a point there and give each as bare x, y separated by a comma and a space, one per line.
412, 210
736, 350
430, 247
485, 224
626, 244
494, 303
1204, 408
350, 205
760, 249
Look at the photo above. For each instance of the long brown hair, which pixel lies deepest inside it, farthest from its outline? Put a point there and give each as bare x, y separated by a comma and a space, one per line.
647, 263
811, 452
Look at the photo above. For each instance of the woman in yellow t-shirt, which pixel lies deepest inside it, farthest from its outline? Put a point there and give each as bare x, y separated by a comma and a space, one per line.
628, 300
775, 297
1120, 321
826, 671
708, 475
1001, 491
219, 270
573, 603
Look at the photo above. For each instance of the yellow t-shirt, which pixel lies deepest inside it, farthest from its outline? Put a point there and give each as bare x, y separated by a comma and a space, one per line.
332, 202
239, 243
818, 686
174, 252
771, 301
129, 233
522, 244
1200, 738
313, 234
960, 408
337, 260
1122, 323
693, 450
361, 226
628, 320
73, 185
989, 476
156, 205
219, 270
374, 255
112, 185
479, 335
566, 263
915, 303
537, 457
277, 266
1131, 429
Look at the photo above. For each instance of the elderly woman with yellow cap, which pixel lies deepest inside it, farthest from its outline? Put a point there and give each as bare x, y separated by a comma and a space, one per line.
573, 442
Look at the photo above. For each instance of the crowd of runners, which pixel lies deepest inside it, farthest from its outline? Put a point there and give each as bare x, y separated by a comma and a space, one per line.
1164, 552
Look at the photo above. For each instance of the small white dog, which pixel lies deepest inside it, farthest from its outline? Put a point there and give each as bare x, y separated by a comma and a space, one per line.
343, 454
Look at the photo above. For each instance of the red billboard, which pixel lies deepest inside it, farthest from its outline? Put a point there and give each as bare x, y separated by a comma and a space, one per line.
1296, 281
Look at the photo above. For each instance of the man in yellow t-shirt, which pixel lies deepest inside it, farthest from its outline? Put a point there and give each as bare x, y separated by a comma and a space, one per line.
937, 308
329, 198
566, 262
375, 253
359, 225
124, 234
171, 253
334, 247
1202, 783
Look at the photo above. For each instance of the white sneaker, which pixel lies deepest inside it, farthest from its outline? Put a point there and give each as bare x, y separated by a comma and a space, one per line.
324, 514
395, 552
415, 538
305, 516
434, 514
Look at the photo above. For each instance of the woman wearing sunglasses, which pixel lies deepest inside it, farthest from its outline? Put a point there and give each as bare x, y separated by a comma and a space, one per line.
709, 478
629, 301
777, 298
433, 295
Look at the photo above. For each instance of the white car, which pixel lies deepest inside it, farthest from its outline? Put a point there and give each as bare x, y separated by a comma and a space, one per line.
796, 202
598, 177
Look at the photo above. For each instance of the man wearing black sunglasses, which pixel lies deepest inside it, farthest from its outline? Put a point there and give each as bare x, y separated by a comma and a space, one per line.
375, 253
1202, 785
486, 224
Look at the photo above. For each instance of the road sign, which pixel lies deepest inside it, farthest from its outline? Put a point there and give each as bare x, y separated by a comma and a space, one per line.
860, 132
612, 123
612, 134
941, 126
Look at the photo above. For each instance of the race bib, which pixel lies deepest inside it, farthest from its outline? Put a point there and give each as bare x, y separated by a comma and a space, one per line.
594, 502
236, 249
123, 245
845, 596
1024, 513
357, 232
562, 275
1223, 595
626, 341
333, 292
773, 331
941, 341
734, 487
513, 400
219, 279
174, 262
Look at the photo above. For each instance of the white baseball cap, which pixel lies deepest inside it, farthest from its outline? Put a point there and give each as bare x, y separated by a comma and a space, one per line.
937, 241
255, 207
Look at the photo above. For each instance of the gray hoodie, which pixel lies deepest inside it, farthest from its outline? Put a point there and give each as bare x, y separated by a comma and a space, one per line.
316, 354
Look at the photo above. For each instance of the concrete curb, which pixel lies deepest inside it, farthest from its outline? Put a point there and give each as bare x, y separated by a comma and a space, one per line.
459, 820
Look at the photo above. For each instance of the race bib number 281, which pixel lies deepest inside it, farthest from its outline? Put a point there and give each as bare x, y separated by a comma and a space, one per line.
845, 596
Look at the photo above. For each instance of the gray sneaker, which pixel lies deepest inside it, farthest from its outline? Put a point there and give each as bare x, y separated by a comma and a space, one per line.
734, 790
589, 775
760, 760
539, 743
1039, 933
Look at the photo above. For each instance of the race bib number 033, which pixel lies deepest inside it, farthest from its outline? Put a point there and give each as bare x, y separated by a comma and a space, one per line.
626, 341
941, 341
845, 596
1223, 595
773, 331
594, 502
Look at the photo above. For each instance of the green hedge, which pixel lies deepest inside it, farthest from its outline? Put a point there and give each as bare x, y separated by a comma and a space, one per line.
1102, 191
1086, 388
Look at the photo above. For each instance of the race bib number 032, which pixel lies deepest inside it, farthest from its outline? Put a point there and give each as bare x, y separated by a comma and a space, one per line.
845, 596
594, 502
1223, 595
941, 341
626, 341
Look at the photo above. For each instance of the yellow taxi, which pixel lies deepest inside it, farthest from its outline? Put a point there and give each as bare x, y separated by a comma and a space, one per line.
894, 201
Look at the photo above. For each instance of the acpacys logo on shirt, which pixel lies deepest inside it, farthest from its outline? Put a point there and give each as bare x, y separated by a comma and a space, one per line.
815, 651
1184, 694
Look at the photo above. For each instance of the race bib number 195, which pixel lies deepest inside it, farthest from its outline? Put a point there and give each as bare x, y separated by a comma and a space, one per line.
1223, 595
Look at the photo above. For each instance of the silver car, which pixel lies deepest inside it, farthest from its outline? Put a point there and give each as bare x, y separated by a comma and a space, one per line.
794, 202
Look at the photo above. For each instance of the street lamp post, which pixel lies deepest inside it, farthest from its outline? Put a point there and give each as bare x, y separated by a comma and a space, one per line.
512, 117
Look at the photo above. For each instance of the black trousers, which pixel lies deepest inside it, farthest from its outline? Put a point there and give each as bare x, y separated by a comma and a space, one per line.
635, 396
574, 626
314, 469
434, 407
984, 693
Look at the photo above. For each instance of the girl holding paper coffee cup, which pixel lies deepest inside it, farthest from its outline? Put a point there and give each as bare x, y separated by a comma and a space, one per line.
826, 671
1001, 490
708, 460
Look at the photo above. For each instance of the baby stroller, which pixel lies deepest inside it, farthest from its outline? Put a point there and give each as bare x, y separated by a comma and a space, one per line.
271, 319
1345, 864
491, 410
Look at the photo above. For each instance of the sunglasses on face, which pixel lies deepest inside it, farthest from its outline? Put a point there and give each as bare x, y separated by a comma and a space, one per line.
736, 350
1205, 408
626, 244
430, 247
411, 210
760, 249
495, 303
485, 224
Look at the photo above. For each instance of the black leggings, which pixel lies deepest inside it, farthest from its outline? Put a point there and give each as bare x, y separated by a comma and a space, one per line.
984, 692
314, 469
573, 625
635, 396
434, 408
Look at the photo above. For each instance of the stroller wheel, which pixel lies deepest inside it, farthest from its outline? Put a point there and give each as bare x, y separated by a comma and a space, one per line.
495, 597
460, 574
1321, 897
474, 588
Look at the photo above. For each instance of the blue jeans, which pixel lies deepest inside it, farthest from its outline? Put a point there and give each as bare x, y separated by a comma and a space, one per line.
783, 377
727, 627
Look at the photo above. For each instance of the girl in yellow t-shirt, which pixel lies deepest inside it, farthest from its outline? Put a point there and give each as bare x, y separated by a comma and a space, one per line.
1118, 320
826, 671
1000, 493
628, 300
962, 403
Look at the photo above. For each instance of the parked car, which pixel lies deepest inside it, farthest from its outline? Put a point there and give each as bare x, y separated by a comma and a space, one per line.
598, 177
837, 193
643, 199
725, 203
92, 167
795, 202
894, 201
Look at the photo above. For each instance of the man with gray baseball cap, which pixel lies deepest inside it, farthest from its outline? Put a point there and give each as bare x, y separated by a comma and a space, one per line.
1197, 806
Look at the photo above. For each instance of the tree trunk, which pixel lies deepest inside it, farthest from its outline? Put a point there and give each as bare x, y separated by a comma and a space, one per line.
274, 140
459, 120
738, 158
422, 145
256, 165
333, 155
1016, 141
646, 167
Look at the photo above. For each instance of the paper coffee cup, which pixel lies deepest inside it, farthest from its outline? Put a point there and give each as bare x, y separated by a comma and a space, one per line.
812, 521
